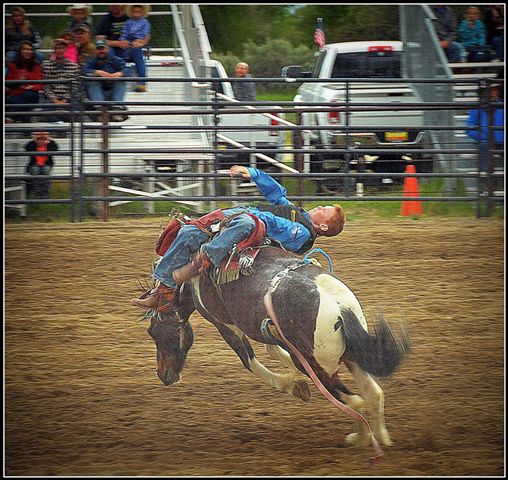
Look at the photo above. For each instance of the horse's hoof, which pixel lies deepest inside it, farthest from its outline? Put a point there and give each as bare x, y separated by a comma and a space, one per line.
301, 390
357, 440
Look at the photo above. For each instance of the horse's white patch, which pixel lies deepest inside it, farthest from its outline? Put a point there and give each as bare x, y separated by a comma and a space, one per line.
329, 344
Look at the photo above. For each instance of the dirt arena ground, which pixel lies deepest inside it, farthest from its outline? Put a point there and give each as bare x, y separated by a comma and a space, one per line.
82, 397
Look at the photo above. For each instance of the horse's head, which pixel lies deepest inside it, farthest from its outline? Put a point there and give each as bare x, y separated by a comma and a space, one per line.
173, 337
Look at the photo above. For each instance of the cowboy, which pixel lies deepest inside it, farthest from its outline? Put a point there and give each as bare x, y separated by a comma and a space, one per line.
292, 227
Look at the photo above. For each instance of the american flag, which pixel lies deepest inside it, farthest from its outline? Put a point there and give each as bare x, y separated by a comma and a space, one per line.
319, 34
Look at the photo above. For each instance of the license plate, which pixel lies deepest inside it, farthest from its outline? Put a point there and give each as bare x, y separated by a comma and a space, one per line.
396, 136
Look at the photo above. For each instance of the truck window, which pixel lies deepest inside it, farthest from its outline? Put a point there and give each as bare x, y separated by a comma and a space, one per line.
317, 67
367, 65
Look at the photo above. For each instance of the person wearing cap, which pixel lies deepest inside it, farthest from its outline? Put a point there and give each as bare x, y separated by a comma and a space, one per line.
105, 65
41, 162
136, 31
80, 13
110, 28
83, 39
60, 95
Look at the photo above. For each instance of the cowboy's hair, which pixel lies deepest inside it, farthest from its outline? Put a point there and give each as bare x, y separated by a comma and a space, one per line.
337, 224
20, 62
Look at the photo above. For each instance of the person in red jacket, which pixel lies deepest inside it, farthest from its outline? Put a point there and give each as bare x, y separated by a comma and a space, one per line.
24, 67
41, 162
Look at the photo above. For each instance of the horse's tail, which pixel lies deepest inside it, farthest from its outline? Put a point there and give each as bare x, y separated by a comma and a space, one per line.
379, 354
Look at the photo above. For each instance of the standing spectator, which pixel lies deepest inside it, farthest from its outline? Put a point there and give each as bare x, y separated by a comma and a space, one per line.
80, 13
494, 22
41, 163
480, 118
110, 28
61, 95
71, 50
136, 31
105, 64
24, 67
446, 30
472, 29
83, 40
18, 29
244, 91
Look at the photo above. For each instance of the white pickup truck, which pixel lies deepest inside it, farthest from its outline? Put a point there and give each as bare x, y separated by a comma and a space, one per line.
362, 60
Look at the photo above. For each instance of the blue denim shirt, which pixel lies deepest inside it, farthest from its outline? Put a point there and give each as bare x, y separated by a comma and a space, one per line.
110, 64
291, 235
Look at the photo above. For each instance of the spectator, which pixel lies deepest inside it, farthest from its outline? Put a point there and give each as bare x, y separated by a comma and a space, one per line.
83, 40
136, 31
41, 163
480, 118
80, 14
61, 95
110, 28
105, 64
71, 50
18, 29
24, 67
244, 91
446, 30
494, 22
472, 29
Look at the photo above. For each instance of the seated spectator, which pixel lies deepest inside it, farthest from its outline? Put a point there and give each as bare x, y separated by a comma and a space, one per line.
446, 30
18, 29
494, 23
71, 50
83, 40
41, 163
80, 13
24, 67
61, 95
480, 118
136, 31
104, 64
110, 28
244, 91
472, 31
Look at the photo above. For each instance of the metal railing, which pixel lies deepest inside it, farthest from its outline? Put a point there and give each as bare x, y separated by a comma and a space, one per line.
82, 157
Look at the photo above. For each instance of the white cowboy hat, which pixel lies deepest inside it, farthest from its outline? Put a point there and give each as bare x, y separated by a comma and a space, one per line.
146, 8
80, 6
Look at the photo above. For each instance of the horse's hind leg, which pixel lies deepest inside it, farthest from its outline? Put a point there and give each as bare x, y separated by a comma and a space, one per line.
237, 340
373, 396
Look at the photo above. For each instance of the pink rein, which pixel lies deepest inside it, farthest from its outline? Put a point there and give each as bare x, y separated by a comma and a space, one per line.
353, 413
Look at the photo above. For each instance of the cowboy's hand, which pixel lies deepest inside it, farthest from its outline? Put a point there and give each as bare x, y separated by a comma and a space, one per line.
239, 171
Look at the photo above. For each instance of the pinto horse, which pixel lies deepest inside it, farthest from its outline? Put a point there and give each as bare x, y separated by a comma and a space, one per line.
320, 324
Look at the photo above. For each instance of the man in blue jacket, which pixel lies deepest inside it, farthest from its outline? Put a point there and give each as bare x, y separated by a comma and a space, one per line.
480, 118
104, 65
293, 227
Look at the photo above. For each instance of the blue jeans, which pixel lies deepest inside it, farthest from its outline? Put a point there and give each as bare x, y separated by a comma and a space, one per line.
455, 52
190, 239
40, 186
29, 96
116, 93
136, 55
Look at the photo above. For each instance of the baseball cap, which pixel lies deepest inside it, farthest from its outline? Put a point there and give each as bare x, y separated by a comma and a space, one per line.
81, 26
100, 43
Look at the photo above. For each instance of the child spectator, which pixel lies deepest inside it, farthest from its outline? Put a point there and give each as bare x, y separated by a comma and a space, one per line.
18, 29
71, 50
24, 67
40, 163
472, 30
136, 31
80, 13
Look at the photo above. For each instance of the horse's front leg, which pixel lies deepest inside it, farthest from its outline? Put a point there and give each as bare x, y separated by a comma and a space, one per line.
237, 340
373, 396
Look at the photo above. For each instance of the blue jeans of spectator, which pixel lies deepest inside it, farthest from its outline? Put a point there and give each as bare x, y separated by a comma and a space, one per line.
190, 239
98, 93
455, 52
136, 55
48, 105
40, 186
498, 44
29, 96
483, 150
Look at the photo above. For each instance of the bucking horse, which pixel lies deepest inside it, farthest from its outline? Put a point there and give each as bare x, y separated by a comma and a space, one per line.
307, 318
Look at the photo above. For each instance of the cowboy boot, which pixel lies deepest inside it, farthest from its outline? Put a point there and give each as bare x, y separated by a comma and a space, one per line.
196, 266
156, 297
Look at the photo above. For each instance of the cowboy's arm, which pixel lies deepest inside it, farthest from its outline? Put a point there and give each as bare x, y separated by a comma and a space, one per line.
272, 190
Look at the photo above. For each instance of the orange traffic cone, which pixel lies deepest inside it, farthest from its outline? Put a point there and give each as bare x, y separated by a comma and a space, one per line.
411, 207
